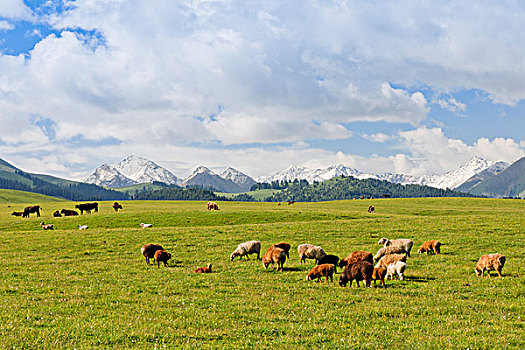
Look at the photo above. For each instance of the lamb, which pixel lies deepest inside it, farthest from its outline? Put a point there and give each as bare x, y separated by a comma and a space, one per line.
397, 268
284, 246
322, 270
143, 225
357, 256
148, 250
358, 271
389, 259
392, 249
379, 274
46, 226
274, 255
243, 249
404, 242
490, 262
309, 251
83, 227
206, 269
162, 256
430, 246
329, 259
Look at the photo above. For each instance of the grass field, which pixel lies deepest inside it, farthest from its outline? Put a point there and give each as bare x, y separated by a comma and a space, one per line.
92, 289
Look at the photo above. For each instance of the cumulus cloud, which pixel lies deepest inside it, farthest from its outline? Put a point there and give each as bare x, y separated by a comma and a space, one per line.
452, 105
15, 9
378, 137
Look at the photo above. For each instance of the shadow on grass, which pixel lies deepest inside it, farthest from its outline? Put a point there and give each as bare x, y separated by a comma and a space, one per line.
419, 279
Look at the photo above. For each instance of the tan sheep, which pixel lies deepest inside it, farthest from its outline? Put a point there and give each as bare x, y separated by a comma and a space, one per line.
284, 246
379, 274
490, 262
430, 247
403, 242
246, 248
392, 249
323, 270
274, 255
389, 259
205, 269
162, 256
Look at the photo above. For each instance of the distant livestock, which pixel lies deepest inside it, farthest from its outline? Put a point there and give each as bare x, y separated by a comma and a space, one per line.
67, 212
212, 206
87, 207
205, 269
389, 250
31, 209
359, 255
371, 209
57, 214
274, 256
284, 246
402, 242
148, 251
390, 259
162, 256
143, 225
490, 262
323, 270
358, 271
379, 273
309, 251
117, 206
17, 213
430, 247
329, 259
291, 202
83, 227
397, 268
46, 226
246, 248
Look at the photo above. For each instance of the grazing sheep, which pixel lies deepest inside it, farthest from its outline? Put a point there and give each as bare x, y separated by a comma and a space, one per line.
322, 270
358, 271
83, 227
162, 256
206, 269
46, 226
329, 259
143, 225
284, 246
393, 249
389, 259
309, 251
148, 250
359, 255
243, 249
17, 213
430, 246
274, 255
379, 274
490, 262
403, 242
397, 268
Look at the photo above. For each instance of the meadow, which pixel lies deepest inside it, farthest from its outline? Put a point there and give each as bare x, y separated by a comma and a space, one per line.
92, 289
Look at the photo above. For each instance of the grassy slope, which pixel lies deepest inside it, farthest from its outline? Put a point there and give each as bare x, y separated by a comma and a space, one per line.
14, 196
91, 289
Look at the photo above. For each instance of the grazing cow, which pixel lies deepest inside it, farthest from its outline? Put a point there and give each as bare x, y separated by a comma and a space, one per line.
87, 207
148, 251
206, 269
143, 225
291, 202
57, 214
46, 226
31, 209
162, 256
279, 204
17, 213
386, 195
371, 209
68, 212
117, 206
212, 206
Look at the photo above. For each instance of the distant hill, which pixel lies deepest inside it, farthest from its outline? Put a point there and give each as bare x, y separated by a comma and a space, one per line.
205, 178
16, 179
508, 183
15, 196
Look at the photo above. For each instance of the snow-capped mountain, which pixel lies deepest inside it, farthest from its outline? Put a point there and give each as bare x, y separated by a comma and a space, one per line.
234, 175
204, 177
130, 171
142, 170
310, 175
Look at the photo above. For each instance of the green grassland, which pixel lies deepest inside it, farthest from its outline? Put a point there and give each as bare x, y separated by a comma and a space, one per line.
92, 289
21, 197
258, 195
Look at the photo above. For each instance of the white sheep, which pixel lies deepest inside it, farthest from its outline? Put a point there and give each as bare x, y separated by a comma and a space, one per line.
310, 251
389, 250
397, 268
243, 249
83, 227
403, 242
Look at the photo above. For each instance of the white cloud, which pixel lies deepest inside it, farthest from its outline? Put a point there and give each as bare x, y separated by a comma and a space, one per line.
452, 105
4, 25
378, 137
14, 9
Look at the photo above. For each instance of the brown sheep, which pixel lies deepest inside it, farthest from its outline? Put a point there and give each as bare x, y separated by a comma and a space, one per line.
430, 246
389, 259
162, 256
206, 269
148, 250
284, 246
274, 255
46, 226
379, 273
490, 262
358, 271
357, 256
323, 270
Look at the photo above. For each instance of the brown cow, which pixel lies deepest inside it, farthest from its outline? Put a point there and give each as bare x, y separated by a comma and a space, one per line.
31, 209
117, 206
162, 256
68, 212
87, 207
212, 206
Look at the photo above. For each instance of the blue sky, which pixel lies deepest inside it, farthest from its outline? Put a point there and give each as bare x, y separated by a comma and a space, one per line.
381, 86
